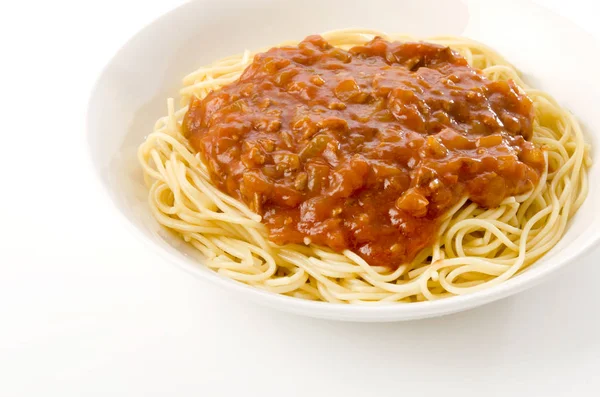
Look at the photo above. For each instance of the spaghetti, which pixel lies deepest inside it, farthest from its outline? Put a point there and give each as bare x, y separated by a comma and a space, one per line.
473, 247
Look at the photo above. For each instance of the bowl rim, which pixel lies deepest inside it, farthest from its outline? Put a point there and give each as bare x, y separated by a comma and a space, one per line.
319, 309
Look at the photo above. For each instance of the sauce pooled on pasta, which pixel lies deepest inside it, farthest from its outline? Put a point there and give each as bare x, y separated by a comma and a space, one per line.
364, 149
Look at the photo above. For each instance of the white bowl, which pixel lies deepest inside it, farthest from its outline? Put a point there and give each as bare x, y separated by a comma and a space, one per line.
131, 93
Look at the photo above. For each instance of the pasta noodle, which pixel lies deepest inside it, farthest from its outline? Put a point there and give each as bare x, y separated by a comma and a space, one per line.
474, 248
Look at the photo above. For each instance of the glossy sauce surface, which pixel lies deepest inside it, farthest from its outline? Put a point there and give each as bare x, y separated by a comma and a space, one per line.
364, 149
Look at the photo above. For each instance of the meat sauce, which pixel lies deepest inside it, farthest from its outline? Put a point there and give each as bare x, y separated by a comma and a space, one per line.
364, 149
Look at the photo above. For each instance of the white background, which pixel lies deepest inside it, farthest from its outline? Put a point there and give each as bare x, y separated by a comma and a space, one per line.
86, 310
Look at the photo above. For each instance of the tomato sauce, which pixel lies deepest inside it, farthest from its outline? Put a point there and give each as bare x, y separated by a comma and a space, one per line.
364, 149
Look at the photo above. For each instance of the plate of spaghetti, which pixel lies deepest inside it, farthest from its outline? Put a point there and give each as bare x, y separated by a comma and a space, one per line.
380, 163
